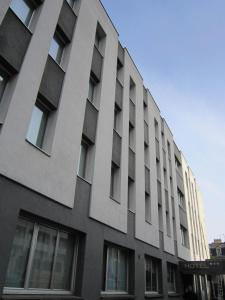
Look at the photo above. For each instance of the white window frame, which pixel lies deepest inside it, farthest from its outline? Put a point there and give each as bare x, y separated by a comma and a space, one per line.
26, 289
118, 249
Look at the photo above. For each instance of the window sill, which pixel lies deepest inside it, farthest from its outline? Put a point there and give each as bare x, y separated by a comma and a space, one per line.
58, 64
39, 297
173, 294
38, 148
85, 180
148, 222
153, 295
93, 104
117, 201
115, 295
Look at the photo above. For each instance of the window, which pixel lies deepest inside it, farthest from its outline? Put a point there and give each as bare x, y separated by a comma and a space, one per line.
38, 123
218, 251
114, 183
183, 232
131, 195
181, 200
71, 2
41, 257
83, 159
171, 277
152, 271
56, 48
3, 82
116, 269
147, 208
117, 119
23, 9
177, 163
91, 90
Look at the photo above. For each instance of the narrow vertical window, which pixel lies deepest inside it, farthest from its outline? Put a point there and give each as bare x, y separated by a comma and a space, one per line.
152, 274
3, 82
38, 122
91, 90
83, 159
171, 277
56, 48
23, 9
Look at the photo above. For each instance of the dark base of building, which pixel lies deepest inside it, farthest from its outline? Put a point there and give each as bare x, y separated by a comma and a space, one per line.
17, 200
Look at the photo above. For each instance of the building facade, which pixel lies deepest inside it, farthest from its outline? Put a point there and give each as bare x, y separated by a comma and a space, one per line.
94, 200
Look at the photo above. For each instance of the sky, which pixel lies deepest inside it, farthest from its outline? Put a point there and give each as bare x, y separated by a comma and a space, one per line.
179, 48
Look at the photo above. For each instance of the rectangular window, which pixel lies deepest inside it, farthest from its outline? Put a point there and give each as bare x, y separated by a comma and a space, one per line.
91, 90
83, 159
23, 9
38, 123
3, 82
71, 2
181, 200
114, 182
41, 258
56, 48
147, 208
152, 272
171, 277
116, 270
184, 237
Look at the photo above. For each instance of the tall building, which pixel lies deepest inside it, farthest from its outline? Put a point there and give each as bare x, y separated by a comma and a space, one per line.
97, 201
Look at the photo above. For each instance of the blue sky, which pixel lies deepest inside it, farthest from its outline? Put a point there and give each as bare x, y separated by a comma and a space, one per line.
179, 48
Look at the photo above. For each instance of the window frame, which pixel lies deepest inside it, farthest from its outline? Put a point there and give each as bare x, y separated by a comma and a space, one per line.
171, 269
26, 290
157, 262
61, 43
118, 249
5, 80
84, 171
31, 13
42, 126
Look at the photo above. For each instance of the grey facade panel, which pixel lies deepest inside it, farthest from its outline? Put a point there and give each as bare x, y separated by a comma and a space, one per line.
147, 180
90, 122
14, 40
131, 169
119, 94
67, 21
116, 152
183, 217
51, 83
121, 53
15, 198
96, 65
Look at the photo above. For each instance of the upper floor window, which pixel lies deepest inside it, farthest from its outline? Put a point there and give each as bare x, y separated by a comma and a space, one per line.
152, 274
171, 277
218, 251
116, 269
70, 2
83, 159
38, 123
42, 257
91, 89
24, 9
56, 48
184, 237
181, 200
3, 82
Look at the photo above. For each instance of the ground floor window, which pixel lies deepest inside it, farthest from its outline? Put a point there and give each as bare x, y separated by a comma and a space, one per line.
152, 274
116, 269
171, 277
42, 257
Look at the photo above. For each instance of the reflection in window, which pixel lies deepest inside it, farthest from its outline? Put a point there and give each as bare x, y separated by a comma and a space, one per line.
56, 48
23, 9
116, 269
37, 125
41, 258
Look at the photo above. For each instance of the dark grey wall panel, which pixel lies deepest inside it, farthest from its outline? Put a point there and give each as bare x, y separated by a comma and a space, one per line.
14, 40
119, 94
147, 180
116, 152
51, 83
89, 280
90, 121
131, 169
67, 21
96, 65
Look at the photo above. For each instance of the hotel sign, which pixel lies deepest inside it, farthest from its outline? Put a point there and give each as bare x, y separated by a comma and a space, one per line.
209, 266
